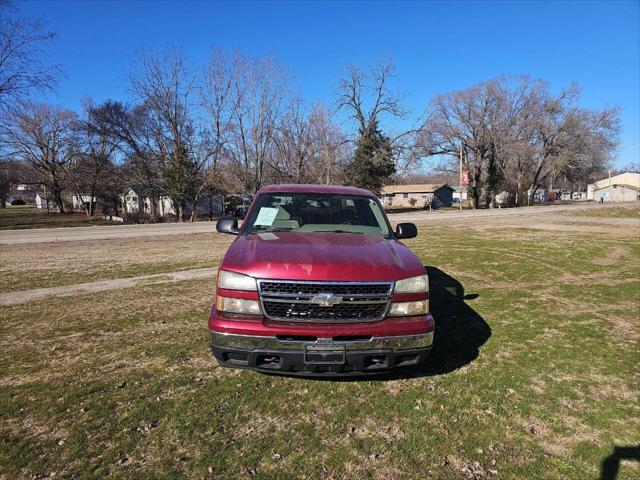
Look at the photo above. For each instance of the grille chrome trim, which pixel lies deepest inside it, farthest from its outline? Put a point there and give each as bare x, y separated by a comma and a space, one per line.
305, 298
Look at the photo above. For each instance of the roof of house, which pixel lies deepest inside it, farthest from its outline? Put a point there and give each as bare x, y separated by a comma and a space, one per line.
154, 185
630, 187
421, 188
627, 178
308, 188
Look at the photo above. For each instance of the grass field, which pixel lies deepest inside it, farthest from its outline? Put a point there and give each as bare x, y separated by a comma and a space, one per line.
534, 372
21, 217
628, 211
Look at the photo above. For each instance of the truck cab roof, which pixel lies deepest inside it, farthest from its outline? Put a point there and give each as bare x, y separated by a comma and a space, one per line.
311, 188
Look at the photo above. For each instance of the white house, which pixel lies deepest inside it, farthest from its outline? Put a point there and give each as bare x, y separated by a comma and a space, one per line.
134, 201
619, 188
41, 200
84, 199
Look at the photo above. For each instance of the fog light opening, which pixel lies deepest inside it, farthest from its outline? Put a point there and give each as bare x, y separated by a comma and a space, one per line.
268, 361
375, 361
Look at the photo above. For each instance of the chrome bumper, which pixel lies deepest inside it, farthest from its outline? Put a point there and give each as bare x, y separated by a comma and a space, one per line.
251, 342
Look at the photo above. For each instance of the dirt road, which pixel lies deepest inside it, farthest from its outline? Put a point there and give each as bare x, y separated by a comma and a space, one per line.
44, 235
15, 298
69, 234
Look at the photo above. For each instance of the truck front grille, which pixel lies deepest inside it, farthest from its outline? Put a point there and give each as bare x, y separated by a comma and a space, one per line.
324, 302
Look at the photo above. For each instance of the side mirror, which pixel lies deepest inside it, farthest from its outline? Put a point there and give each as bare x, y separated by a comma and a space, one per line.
227, 225
406, 230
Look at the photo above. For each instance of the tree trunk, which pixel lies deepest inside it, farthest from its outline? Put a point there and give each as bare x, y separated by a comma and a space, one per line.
180, 212
57, 197
519, 190
475, 188
46, 199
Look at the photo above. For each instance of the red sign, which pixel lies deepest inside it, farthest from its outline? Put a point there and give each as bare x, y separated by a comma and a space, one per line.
464, 178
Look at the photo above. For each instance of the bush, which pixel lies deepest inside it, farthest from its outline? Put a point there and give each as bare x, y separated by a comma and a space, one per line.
412, 202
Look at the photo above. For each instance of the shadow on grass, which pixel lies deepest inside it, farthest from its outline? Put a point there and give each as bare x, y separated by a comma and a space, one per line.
460, 331
611, 464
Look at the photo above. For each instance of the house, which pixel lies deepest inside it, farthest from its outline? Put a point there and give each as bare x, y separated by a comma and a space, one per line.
568, 194
21, 193
541, 195
505, 198
419, 196
619, 188
98, 204
136, 200
42, 200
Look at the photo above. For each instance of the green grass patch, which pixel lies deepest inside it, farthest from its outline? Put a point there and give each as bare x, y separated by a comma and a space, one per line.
628, 211
25, 216
536, 377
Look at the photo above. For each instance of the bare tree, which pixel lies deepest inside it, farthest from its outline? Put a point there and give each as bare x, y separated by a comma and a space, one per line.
164, 84
43, 137
331, 147
133, 131
8, 178
256, 99
569, 140
459, 122
215, 92
513, 133
92, 168
367, 97
23, 44
294, 144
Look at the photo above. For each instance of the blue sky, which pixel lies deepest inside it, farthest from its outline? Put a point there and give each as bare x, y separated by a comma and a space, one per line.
436, 46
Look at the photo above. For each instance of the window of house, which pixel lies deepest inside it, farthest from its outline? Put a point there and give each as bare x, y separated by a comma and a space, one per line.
405, 195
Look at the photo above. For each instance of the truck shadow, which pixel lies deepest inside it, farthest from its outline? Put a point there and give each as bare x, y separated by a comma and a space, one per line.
460, 331
611, 465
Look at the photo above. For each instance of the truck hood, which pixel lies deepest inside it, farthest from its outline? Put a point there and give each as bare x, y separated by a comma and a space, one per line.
321, 256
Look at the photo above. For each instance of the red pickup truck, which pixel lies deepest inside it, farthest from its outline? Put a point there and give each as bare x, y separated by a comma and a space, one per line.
317, 283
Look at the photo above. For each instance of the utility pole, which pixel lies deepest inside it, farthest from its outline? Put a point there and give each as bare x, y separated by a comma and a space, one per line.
460, 178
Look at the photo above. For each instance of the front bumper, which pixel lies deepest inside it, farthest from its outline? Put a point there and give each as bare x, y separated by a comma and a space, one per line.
320, 356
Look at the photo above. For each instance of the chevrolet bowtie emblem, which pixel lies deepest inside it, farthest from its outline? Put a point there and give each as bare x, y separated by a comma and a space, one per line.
326, 299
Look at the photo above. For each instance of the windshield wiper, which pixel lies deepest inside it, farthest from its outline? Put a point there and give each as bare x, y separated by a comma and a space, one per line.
342, 231
271, 230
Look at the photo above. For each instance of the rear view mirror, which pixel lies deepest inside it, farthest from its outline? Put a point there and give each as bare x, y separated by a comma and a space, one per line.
406, 230
227, 225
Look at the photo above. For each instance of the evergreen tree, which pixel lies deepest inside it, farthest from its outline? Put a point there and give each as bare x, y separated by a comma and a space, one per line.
373, 162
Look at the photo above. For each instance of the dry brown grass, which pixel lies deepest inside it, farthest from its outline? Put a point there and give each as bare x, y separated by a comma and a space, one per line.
26, 267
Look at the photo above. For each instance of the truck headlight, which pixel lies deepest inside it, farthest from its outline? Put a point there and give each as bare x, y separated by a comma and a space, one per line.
237, 305
413, 284
405, 309
236, 281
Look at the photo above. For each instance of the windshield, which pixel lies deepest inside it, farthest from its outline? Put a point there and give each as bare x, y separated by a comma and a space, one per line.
316, 212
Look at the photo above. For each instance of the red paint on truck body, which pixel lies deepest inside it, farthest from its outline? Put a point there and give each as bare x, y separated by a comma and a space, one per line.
319, 256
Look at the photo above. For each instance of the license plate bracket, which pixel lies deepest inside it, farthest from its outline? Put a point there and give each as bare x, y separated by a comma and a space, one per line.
325, 354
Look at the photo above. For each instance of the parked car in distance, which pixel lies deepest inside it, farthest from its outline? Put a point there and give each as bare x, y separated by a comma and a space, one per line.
318, 283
